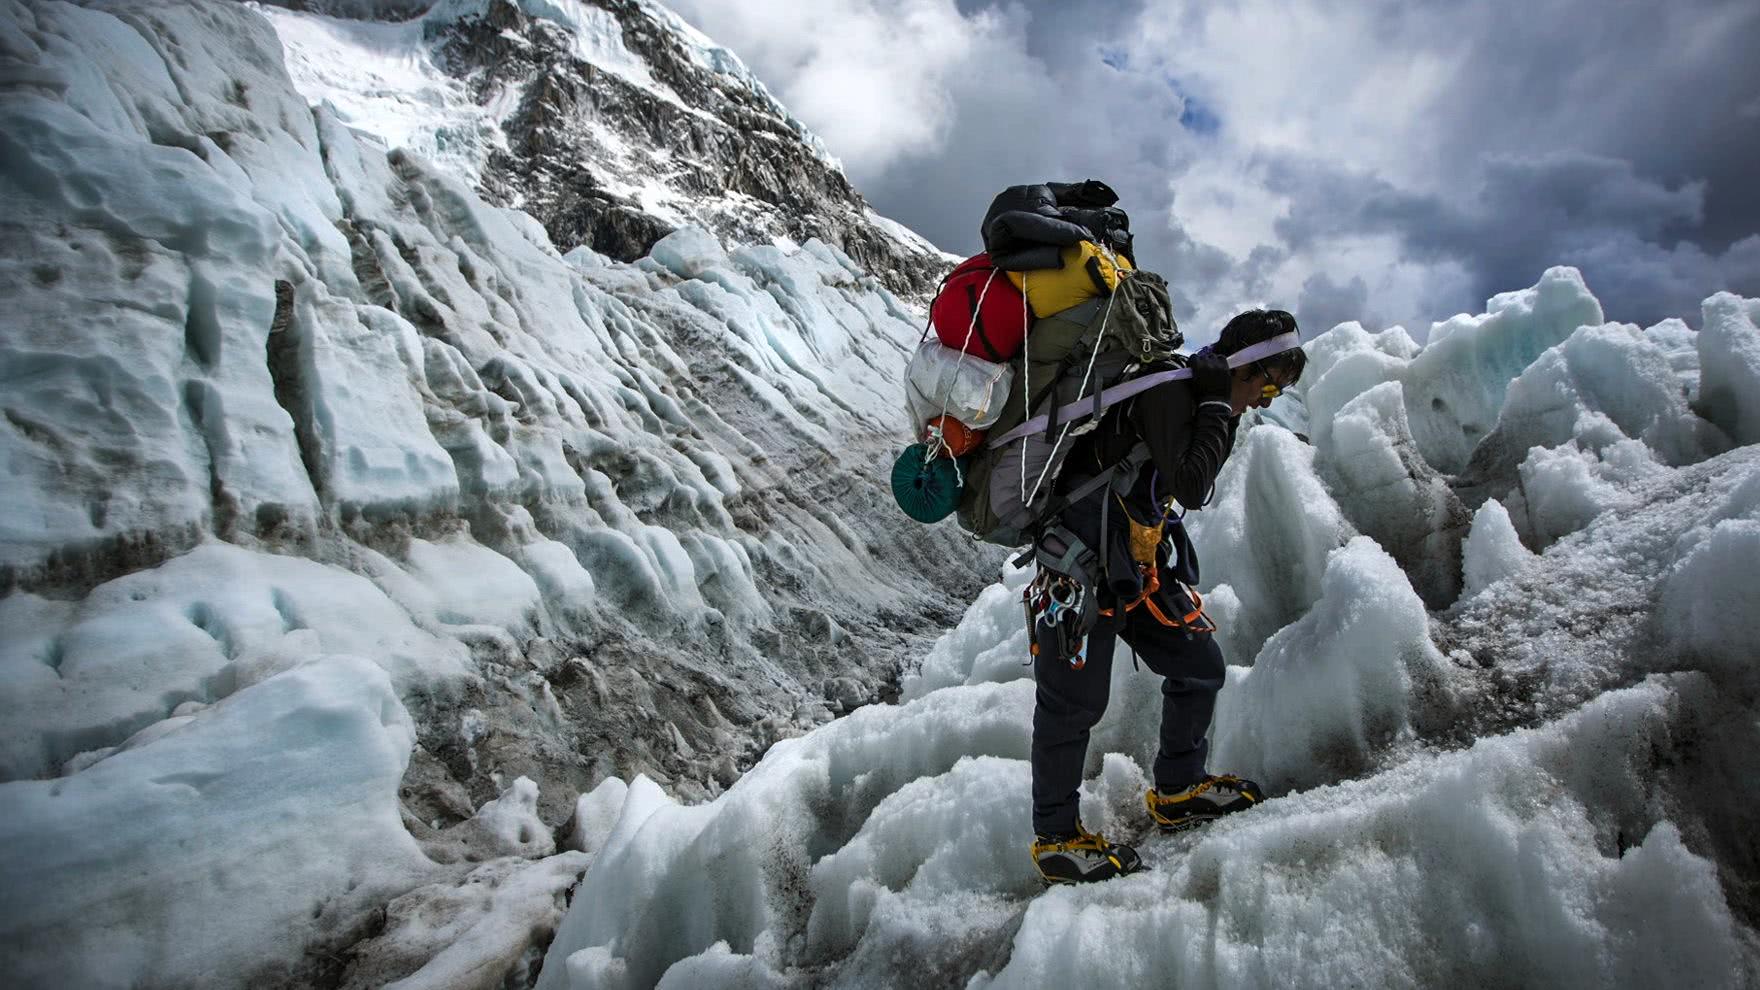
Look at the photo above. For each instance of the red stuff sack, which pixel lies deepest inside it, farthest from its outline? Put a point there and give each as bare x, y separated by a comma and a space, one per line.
979, 311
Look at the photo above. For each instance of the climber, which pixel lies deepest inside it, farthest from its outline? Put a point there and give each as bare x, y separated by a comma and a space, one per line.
1146, 564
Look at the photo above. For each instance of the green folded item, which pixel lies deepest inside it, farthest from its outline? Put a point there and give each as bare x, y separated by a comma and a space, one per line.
927, 490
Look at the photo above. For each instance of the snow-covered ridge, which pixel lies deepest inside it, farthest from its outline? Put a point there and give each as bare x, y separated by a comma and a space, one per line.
612, 123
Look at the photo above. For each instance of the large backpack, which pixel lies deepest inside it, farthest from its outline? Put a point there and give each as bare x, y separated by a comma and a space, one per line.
1056, 395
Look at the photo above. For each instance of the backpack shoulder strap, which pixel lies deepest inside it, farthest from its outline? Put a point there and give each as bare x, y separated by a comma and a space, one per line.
1124, 467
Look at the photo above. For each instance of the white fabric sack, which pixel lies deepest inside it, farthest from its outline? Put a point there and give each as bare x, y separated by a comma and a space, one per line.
942, 381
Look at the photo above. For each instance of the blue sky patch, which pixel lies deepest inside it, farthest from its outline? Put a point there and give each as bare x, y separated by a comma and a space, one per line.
1196, 116
1199, 119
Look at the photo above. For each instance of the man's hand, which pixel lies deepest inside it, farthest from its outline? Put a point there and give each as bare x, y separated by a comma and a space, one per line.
1210, 376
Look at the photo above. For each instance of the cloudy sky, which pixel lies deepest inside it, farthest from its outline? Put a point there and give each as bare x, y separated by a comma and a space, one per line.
1388, 162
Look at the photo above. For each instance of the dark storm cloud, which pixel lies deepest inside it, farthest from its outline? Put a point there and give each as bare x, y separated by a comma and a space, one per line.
1673, 88
1483, 142
1524, 215
1324, 303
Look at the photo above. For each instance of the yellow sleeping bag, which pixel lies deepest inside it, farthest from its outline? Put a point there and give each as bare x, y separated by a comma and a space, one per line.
1087, 271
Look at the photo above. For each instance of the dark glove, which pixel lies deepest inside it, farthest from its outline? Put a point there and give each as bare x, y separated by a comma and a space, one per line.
1210, 376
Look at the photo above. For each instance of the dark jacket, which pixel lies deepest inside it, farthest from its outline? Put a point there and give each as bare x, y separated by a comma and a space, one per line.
1188, 444
1026, 226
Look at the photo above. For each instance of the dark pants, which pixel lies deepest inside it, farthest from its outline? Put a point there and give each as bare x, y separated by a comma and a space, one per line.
1070, 703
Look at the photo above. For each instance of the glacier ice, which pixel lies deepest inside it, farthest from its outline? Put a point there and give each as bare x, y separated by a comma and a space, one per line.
1455, 386
272, 810
1488, 770
1729, 359
359, 540
1492, 551
1266, 537
1332, 691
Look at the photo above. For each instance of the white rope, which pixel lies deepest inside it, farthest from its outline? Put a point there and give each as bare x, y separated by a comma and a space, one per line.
971, 328
1026, 375
938, 439
1087, 376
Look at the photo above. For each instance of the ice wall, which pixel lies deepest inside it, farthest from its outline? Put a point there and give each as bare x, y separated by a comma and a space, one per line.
238, 319
283, 403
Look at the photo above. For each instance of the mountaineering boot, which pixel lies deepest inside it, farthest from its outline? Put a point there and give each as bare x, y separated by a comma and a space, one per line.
1082, 858
1212, 797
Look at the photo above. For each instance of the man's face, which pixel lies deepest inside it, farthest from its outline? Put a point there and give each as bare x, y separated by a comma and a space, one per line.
1249, 388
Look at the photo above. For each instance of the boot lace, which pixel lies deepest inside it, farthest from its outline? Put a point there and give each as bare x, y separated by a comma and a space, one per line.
1212, 782
1084, 840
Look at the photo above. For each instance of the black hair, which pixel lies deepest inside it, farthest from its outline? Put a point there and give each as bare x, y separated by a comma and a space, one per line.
1256, 325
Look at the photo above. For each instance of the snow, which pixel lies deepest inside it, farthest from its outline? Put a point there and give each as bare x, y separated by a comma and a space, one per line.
170, 392
1486, 771
988, 644
1349, 884
453, 935
1256, 550
706, 53
388, 80
1564, 488
689, 252
1389, 492
1608, 373
1492, 551
596, 35
267, 811
78, 676
381, 78
328, 478
1729, 354
1710, 607
507, 826
1333, 690
596, 813
924, 870
297, 423
473, 585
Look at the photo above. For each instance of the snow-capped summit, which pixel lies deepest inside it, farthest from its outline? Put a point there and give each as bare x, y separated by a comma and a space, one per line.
613, 124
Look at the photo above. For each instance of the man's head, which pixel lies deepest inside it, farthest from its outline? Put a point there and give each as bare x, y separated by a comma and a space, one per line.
1256, 384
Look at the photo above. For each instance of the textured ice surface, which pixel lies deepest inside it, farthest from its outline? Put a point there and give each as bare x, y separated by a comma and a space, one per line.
1388, 491
1556, 771
277, 393
226, 839
78, 676
335, 489
1492, 550
1455, 386
1337, 685
1266, 537
1729, 358
893, 843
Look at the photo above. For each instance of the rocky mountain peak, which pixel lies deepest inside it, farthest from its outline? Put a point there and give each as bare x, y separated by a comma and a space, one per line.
617, 123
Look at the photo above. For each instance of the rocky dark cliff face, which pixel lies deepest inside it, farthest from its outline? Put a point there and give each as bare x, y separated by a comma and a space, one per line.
733, 162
